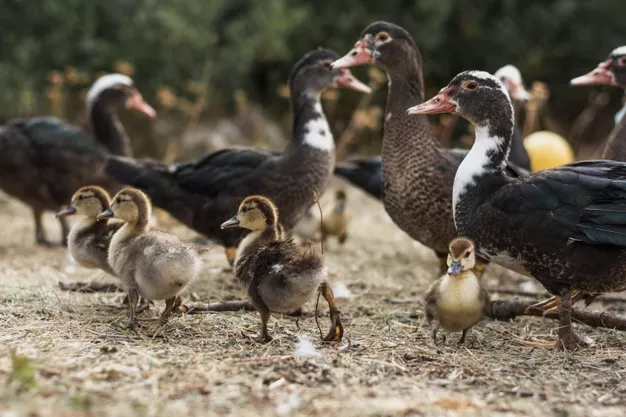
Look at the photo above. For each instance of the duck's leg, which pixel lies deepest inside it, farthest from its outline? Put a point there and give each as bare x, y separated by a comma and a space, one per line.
133, 298
169, 306
336, 330
342, 238
40, 233
65, 230
442, 257
259, 304
462, 339
435, 330
567, 339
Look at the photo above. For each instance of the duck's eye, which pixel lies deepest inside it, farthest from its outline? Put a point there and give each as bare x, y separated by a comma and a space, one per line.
622, 61
467, 254
382, 37
326, 64
471, 85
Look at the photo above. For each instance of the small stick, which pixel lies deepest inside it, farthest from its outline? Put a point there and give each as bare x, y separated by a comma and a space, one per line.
509, 309
537, 295
222, 306
316, 199
89, 287
317, 303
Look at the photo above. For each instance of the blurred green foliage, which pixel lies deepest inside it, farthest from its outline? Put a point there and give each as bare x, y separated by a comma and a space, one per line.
250, 44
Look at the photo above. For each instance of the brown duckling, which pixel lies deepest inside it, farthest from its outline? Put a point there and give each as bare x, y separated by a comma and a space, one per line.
336, 222
457, 299
88, 240
279, 275
151, 264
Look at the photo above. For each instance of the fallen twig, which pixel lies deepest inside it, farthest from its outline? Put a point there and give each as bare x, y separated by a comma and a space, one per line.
222, 306
89, 287
509, 309
540, 295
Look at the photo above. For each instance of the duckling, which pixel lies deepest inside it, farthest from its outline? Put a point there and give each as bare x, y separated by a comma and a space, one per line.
336, 222
88, 240
457, 299
151, 264
279, 275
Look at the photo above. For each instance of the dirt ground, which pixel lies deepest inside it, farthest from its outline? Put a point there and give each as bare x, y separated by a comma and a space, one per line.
68, 354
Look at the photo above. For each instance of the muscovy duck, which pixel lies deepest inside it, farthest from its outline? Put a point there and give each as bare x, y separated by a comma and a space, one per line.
564, 226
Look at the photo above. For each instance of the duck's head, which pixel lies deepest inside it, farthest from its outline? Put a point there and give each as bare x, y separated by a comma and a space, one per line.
510, 76
611, 71
340, 201
461, 256
131, 206
114, 89
255, 213
383, 43
475, 95
313, 73
88, 201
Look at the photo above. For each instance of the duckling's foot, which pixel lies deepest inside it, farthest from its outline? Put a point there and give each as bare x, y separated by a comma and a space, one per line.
443, 338
336, 330
462, 339
170, 304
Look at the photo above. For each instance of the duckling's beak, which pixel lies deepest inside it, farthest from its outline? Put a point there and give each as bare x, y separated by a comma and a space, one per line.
441, 103
359, 55
347, 80
66, 211
136, 102
600, 75
106, 214
455, 268
232, 222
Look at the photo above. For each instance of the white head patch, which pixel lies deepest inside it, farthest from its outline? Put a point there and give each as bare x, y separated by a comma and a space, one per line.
104, 83
619, 51
510, 72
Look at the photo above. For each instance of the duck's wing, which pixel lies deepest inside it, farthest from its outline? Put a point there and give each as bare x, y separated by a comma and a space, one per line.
584, 201
365, 173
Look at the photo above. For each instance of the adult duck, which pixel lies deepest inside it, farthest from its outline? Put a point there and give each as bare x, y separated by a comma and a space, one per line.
198, 193
44, 160
564, 226
366, 173
611, 71
417, 172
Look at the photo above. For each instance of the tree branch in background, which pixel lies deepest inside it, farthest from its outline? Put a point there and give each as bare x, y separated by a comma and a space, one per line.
539, 95
509, 309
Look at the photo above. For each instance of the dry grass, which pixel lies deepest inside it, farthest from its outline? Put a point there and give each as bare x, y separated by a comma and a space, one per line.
81, 362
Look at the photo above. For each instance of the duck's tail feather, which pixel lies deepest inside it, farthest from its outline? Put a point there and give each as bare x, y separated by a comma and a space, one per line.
365, 176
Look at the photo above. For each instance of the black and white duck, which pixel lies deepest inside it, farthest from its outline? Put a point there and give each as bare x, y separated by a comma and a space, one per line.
278, 274
611, 71
197, 193
44, 160
366, 173
150, 264
456, 301
417, 172
563, 226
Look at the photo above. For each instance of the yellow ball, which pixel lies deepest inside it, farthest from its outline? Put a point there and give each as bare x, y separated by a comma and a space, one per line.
547, 150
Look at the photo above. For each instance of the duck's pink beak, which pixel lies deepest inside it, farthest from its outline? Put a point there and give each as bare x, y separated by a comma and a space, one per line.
359, 55
600, 75
136, 102
441, 103
347, 80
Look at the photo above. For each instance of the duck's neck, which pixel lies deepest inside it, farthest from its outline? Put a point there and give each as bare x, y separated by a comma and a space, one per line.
615, 148
487, 158
310, 127
108, 129
255, 238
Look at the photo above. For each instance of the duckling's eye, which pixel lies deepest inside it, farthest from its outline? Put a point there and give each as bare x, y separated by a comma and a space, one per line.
467, 254
382, 37
470, 85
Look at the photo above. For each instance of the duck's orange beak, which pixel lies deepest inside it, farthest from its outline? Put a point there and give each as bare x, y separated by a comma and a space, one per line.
359, 55
136, 102
441, 103
600, 75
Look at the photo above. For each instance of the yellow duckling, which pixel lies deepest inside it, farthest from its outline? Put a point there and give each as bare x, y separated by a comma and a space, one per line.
89, 239
279, 275
456, 300
336, 222
151, 264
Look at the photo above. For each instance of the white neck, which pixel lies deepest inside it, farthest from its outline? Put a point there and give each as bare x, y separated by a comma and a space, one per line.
317, 132
475, 164
247, 241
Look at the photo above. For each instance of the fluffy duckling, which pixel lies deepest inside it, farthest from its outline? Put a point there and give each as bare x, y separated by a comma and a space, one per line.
457, 299
336, 222
279, 275
151, 264
88, 240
